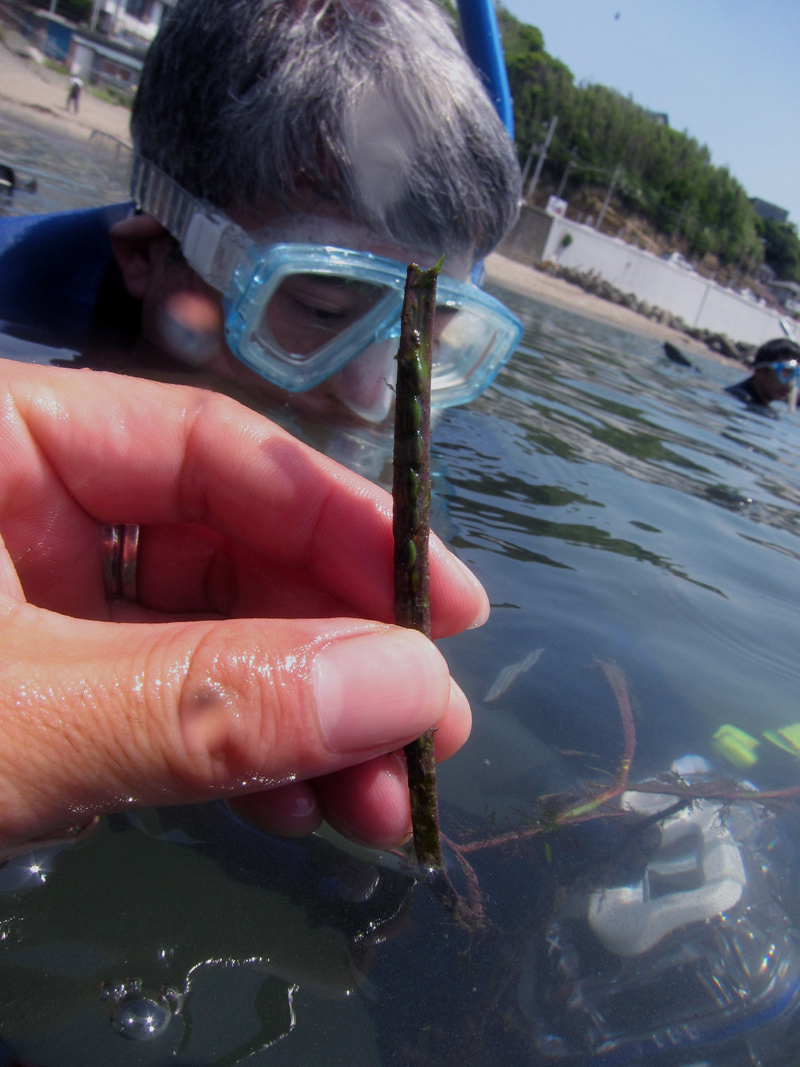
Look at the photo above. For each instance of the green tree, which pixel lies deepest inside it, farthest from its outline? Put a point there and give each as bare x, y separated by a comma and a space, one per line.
782, 249
665, 174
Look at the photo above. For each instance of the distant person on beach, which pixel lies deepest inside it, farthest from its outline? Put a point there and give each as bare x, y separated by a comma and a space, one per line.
74, 94
776, 366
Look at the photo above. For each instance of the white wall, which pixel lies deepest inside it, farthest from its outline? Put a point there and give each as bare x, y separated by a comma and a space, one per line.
122, 22
699, 302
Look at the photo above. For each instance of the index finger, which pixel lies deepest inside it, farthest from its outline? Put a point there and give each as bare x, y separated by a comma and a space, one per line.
132, 451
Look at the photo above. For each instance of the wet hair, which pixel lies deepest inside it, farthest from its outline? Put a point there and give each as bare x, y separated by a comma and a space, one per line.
371, 103
776, 350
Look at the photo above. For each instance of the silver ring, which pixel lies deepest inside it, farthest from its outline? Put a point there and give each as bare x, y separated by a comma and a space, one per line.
119, 552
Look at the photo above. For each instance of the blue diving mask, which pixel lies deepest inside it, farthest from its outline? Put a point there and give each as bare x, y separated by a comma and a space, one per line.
297, 314
788, 370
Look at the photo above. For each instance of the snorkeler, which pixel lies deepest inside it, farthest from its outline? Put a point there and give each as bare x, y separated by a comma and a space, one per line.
289, 164
776, 367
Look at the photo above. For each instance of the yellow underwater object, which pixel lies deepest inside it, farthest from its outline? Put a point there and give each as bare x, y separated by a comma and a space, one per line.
739, 748
788, 738
736, 746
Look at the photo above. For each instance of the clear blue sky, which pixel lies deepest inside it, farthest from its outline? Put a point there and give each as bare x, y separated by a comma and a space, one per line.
726, 71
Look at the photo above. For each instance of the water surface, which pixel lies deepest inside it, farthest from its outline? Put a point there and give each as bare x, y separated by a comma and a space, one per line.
57, 173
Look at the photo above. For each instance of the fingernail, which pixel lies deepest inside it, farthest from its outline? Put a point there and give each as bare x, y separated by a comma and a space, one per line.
379, 689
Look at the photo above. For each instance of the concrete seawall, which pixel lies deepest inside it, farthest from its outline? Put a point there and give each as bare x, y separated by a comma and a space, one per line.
701, 303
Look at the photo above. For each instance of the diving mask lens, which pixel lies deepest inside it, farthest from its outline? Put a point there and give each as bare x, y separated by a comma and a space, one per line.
296, 314
303, 326
307, 312
474, 336
787, 371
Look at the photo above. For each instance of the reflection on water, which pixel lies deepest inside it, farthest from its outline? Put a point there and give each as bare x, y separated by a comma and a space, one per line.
617, 507
687, 503
65, 171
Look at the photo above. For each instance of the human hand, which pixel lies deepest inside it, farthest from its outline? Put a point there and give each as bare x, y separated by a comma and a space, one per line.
250, 666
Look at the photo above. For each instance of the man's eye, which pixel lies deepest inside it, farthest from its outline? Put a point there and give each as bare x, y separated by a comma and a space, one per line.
318, 313
326, 299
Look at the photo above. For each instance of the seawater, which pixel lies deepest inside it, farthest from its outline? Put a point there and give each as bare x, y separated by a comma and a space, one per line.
67, 173
618, 508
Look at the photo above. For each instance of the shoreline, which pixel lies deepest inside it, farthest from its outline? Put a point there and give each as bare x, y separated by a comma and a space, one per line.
541, 286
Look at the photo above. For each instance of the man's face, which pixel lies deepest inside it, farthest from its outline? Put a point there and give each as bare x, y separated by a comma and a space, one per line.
183, 316
768, 385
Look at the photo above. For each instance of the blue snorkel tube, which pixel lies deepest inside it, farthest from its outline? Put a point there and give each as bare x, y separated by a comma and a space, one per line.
481, 36
481, 39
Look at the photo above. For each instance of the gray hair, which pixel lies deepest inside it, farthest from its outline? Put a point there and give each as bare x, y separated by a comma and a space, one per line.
371, 103
777, 350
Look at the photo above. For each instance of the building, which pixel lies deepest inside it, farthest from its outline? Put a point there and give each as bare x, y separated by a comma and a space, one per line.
768, 212
787, 294
49, 34
106, 62
110, 54
135, 21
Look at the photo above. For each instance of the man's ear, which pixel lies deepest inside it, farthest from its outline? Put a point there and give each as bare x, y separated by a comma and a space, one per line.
134, 242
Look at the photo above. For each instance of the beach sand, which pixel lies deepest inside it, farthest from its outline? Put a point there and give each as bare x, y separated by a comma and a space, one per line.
35, 96
541, 286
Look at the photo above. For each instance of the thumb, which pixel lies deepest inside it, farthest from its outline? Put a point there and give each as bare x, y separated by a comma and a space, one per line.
99, 716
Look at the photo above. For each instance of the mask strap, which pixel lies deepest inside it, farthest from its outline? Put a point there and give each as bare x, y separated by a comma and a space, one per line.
210, 241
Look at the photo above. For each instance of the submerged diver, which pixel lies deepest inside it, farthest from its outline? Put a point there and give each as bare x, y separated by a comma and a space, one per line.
776, 366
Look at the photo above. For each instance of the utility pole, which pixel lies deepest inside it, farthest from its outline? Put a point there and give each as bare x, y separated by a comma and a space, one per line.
532, 152
551, 129
567, 169
609, 194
